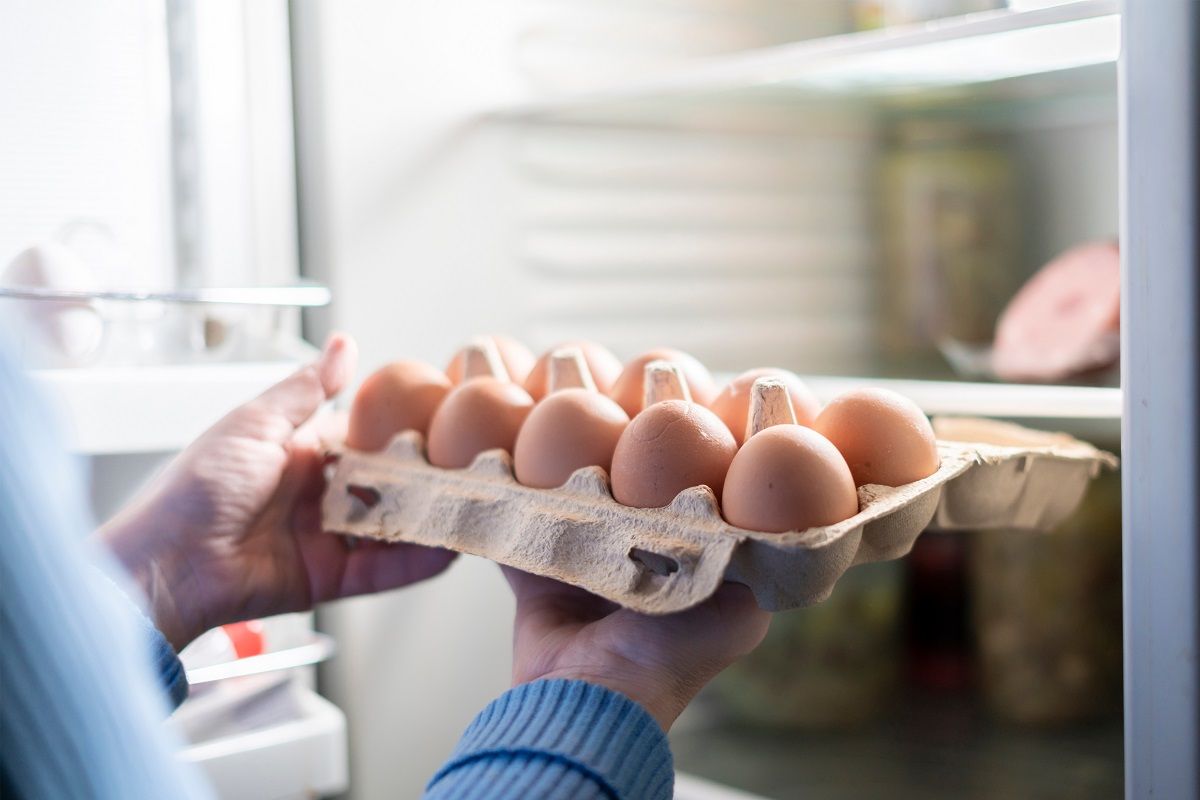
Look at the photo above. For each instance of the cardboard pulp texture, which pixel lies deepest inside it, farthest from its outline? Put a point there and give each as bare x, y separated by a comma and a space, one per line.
663, 560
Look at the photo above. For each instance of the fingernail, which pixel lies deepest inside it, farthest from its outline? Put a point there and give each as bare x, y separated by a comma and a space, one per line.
336, 363
332, 341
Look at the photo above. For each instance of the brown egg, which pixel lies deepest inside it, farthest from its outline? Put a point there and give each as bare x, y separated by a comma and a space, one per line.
732, 405
669, 447
603, 365
788, 478
629, 388
570, 429
398, 397
884, 436
482, 414
516, 357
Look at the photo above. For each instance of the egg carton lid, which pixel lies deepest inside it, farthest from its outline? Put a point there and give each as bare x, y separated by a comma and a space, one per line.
663, 560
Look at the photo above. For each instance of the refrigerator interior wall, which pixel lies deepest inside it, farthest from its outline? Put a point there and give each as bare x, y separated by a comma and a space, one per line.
742, 229
743, 247
399, 194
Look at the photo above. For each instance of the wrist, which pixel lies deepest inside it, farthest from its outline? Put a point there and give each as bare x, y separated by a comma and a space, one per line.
660, 699
159, 582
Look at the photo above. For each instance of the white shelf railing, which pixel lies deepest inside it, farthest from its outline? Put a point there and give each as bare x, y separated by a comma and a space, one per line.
1006, 400
968, 49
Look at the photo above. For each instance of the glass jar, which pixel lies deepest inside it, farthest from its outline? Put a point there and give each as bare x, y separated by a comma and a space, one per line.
1047, 614
830, 666
951, 243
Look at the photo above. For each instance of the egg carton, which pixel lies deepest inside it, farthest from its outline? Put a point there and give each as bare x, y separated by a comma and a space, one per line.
664, 560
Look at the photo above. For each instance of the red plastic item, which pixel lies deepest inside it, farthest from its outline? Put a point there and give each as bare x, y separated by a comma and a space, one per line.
247, 638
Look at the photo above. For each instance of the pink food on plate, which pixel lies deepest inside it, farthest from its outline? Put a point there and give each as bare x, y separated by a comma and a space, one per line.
1065, 320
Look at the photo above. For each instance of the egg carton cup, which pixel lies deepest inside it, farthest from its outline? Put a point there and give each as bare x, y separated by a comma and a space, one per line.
664, 560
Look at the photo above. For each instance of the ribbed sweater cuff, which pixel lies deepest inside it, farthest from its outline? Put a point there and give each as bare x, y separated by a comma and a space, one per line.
559, 738
167, 666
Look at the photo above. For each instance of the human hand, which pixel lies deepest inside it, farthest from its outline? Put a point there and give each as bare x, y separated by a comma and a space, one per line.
661, 663
231, 530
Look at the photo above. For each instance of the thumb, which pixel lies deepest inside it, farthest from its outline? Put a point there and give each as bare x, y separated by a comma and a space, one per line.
529, 587
298, 396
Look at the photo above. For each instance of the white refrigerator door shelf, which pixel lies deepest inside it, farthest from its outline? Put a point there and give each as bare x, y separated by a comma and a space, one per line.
154, 409
301, 759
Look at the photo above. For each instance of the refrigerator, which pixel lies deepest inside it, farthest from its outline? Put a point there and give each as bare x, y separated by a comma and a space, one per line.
735, 178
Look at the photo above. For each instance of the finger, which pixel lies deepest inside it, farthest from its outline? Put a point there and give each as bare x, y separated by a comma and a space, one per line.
297, 397
737, 619
528, 587
734, 601
337, 363
379, 566
304, 476
342, 566
326, 429
545, 604
730, 621
522, 583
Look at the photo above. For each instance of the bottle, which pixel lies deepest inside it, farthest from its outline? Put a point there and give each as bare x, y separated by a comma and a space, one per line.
951, 241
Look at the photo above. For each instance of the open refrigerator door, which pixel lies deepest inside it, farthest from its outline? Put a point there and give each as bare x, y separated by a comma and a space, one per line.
149, 278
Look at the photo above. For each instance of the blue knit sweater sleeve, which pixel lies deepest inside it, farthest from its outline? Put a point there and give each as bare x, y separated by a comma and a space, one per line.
559, 739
